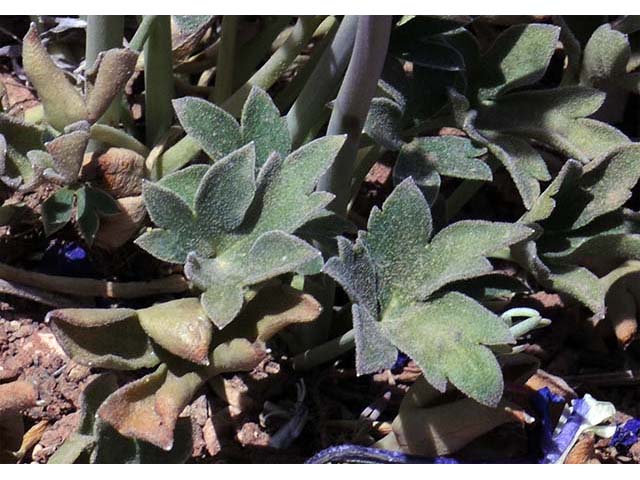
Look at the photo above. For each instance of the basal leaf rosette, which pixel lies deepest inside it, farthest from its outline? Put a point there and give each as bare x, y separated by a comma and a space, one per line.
234, 231
396, 275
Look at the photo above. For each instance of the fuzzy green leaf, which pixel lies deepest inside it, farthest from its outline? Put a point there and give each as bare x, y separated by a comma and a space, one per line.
272, 254
556, 118
610, 182
519, 57
216, 131
234, 231
263, 125
384, 123
391, 275
605, 61
449, 156
446, 337
410, 264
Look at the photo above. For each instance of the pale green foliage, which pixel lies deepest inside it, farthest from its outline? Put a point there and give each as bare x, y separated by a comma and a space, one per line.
233, 230
606, 61
588, 243
218, 133
425, 159
393, 273
504, 117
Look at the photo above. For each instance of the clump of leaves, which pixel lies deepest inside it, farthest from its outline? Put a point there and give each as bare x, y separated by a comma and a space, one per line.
587, 243
495, 98
233, 230
396, 274
179, 341
31, 155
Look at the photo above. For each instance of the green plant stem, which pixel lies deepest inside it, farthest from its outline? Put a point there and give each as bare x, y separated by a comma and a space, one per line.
325, 352
323, 81
177, 156
252, 52
226, 59
104, 32
352, 104
158, 80
273, 69
142, 33
117, 138
289, 94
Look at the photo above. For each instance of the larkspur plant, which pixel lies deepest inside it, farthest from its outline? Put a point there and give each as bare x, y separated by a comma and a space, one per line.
250, 202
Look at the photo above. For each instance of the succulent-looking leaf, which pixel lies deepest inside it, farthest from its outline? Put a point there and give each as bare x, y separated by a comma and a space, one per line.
112, 70
62, 103
148, 409
17, 138
109, 338
181, 327
97, 442
67, 154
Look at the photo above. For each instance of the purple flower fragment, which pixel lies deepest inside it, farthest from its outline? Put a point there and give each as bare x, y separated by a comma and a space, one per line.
67, 259
626, 435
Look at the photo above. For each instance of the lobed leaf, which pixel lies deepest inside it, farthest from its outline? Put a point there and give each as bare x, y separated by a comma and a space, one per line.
446, 337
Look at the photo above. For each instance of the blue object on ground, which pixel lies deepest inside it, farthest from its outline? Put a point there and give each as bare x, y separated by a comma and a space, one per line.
626, 435
66, 259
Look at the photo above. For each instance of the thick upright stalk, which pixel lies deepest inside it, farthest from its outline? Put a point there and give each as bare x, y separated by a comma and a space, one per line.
273, 69
142, 33
289, 94
158, 79
348, 116
323, 81
226, 59
252, 52
352, 105
104, 32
